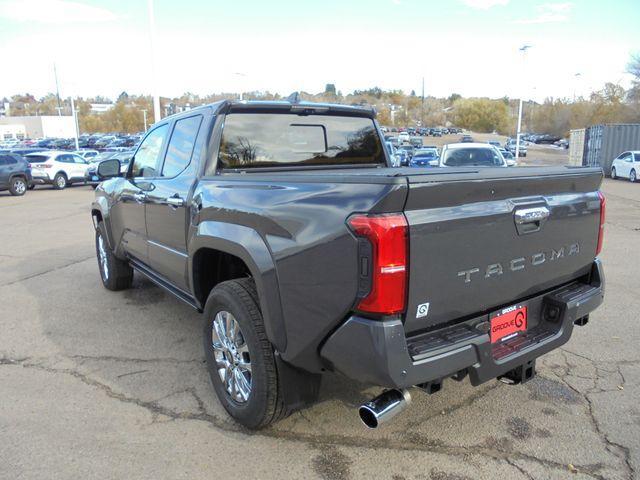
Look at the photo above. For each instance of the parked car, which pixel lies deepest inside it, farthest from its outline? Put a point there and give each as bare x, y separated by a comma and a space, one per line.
426, 157
403, 157
466, 139
57, 168
416, 142
392, 278
471, 155
87, 154
626, 165
15, 174
404, 137
510, 145
495, 143
546, 139
436, 132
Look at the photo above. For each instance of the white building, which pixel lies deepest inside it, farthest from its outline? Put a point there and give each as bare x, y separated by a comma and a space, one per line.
46, 126
101, 107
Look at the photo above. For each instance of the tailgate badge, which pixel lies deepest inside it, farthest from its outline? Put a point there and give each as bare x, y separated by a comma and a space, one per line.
423, 310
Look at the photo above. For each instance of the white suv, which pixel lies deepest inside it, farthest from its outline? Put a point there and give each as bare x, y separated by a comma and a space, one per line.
57, 168
627, 165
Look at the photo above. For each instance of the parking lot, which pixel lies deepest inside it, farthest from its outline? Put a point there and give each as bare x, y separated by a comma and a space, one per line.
97, 384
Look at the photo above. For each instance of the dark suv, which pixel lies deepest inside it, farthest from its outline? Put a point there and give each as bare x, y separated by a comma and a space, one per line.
15, 174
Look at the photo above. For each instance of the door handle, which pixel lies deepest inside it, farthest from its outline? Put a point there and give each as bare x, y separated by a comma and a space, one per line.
175, 201
531, 215
530, 220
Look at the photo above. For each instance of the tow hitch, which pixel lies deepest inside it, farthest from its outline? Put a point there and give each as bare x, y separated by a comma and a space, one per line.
521, 374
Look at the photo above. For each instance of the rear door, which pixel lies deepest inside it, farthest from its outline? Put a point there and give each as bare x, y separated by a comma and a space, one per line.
167, 210
485, 239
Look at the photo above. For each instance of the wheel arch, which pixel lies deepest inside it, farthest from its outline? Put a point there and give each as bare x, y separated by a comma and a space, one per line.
220, 251
100, 213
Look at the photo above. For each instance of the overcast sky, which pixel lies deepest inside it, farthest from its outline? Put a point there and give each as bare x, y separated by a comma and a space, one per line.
464, 46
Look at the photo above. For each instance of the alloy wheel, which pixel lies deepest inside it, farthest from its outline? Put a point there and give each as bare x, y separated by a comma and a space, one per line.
232, 358
19, 186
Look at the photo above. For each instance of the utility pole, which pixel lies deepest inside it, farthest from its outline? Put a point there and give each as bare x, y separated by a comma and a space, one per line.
75, 121
55, 74
144, 115
523, 49
154, 82
422, 106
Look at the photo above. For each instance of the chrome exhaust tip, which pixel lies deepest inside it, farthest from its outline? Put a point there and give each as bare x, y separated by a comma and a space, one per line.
384, 407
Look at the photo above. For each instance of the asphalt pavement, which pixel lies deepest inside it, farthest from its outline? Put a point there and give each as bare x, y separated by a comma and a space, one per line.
97, 384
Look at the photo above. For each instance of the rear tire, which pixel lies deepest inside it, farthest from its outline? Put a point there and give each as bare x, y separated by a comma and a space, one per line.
59, 181
115, 274
264, 403
632, 176
18, 186
614, 175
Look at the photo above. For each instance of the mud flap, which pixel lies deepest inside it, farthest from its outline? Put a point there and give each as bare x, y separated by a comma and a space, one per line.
299, 388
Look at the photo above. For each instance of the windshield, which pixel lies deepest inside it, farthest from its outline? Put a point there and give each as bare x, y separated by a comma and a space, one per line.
251, 140
473, 157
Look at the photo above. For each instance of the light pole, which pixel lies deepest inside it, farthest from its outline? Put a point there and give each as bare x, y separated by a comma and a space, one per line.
576, 76
144, 116
75, 122
240, 74
523, 49
154, 82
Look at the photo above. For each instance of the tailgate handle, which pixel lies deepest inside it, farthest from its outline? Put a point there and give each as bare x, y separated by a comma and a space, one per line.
530, 220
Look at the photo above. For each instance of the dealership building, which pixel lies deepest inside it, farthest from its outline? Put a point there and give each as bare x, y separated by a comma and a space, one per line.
46, 126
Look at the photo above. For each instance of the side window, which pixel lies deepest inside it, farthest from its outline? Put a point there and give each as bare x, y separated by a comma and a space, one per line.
78, 159
181, 144
64, 159
623, 156
146, 159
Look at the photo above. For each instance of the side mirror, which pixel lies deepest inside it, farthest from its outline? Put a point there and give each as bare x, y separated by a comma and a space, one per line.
511, 163
108, 169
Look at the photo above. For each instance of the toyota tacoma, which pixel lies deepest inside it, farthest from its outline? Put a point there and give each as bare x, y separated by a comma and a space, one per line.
284, 223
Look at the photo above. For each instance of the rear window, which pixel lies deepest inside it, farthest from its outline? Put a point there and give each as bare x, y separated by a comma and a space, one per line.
37, 158
473, 157
251, 140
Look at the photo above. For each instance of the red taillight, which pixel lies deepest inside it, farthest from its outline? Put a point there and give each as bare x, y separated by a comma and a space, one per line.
389, 267
603, 205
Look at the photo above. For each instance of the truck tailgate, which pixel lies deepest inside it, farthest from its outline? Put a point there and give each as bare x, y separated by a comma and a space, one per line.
481, 240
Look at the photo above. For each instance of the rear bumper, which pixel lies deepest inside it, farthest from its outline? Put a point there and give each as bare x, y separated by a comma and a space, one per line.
379, 353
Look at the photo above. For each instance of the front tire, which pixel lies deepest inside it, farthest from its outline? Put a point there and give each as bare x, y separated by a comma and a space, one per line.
632, 176
18, 186
59, 181
115, 274
240, 358
614, 175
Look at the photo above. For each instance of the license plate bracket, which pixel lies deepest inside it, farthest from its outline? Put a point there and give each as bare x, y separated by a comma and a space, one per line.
507, 323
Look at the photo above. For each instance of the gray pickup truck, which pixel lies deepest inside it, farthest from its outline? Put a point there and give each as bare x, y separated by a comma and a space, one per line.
285, 225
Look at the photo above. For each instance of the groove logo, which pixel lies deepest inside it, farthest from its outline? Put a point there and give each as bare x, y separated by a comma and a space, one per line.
508, 322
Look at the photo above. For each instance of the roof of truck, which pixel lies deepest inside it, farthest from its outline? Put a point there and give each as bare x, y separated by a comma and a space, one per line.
292, 105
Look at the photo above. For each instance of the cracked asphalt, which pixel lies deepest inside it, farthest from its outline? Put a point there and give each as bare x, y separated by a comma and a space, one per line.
96, 384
